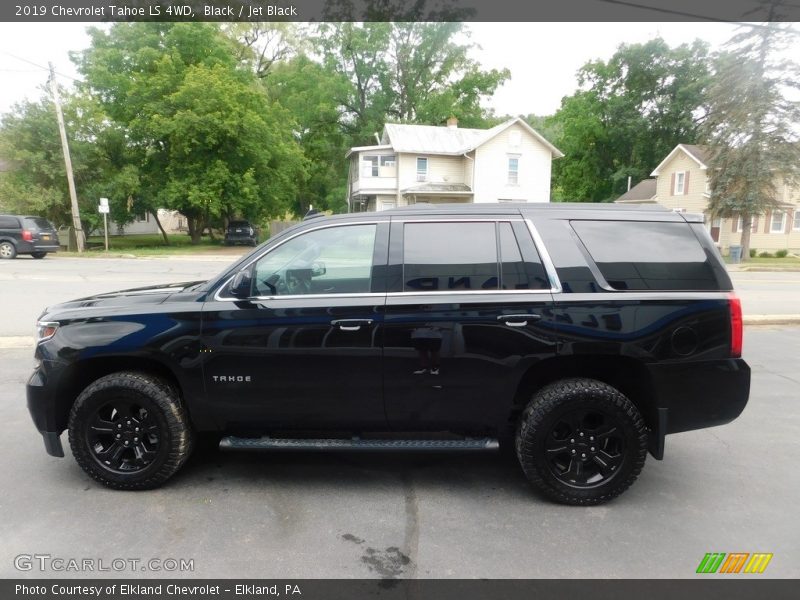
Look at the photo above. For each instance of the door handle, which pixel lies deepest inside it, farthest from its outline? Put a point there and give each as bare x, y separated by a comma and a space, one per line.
518, 320
351, 324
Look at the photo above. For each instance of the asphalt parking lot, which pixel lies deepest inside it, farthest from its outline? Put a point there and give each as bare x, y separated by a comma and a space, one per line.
728, 489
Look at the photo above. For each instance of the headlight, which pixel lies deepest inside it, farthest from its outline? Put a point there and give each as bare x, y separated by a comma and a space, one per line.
45, 330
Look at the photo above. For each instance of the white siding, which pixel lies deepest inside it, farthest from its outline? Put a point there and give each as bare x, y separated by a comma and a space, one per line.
441, 169
491, 169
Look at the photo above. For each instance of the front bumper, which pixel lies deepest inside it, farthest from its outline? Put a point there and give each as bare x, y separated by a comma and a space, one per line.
41, 405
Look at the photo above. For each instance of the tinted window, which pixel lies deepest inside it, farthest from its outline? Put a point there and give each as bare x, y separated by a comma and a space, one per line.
515, 273
334, 260
9, 223
38, 223
647, 256
449, 256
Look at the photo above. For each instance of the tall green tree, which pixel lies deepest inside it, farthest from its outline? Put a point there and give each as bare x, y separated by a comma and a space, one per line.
752, 124
203, 136
628, 113
405, 71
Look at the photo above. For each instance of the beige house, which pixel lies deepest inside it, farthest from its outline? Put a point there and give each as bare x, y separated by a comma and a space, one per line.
419, 163
682, 184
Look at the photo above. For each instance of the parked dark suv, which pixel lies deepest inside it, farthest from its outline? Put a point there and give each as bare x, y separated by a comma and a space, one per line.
26, 235
241, 232
577, 336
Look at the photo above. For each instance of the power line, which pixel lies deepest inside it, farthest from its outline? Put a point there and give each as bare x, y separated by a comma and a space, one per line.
680, 13
30, 62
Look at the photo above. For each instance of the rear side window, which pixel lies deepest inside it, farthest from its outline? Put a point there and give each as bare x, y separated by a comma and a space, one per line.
449, 257
9, 223
37, 223
469, 256
635, 255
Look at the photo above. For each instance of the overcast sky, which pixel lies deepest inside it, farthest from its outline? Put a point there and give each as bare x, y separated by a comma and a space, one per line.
542, 57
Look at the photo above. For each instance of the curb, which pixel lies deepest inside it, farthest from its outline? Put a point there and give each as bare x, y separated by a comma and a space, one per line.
771, 319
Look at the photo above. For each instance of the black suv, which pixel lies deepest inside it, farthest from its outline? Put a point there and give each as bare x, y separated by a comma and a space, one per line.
241, 232
576, 336
26, 235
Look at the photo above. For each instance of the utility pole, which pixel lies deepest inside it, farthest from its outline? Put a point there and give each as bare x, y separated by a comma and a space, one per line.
80, 240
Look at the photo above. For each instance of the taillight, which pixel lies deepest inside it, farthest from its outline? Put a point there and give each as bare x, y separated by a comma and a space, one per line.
735, 306
27, 235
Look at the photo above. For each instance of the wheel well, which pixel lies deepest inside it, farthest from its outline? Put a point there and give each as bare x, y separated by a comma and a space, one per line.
626, 374
85, 372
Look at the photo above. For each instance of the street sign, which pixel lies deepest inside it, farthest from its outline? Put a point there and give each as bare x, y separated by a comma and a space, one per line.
104, 210
104, 202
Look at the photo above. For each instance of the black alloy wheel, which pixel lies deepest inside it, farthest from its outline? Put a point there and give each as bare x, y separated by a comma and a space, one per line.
130, 431
581, 441
124, 437
585, 448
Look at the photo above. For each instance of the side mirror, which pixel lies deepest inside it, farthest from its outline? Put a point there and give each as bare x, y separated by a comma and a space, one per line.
318, 269
242, 285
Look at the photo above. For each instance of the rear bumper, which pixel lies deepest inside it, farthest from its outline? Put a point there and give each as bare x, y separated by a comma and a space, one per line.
24, 247
700, 394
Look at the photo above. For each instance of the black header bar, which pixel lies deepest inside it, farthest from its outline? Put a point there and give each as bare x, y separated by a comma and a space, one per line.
401, 10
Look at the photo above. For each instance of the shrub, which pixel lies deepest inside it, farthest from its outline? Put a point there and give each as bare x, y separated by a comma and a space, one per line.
764, 255
781, 253
753, 252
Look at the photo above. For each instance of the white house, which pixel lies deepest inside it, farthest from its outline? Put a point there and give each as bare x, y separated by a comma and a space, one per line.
421, 163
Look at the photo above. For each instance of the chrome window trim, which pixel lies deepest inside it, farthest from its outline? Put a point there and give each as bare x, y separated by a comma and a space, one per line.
219, 298
467, 292
549, 267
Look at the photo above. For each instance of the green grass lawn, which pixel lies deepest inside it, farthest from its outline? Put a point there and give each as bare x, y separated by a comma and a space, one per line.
788, 262
149, 245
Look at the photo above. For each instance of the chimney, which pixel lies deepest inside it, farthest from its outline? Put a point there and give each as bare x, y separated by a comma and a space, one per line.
452, 123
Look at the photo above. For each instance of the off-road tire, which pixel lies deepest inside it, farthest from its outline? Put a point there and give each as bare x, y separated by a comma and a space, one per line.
547, 406
175, 433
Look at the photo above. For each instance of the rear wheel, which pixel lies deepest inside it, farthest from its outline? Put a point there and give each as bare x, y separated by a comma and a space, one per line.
129, 431
581, 441
7, 250
38, 254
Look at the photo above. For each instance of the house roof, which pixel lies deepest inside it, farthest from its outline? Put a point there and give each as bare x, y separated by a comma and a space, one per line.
644, 190
452, 141
698, 153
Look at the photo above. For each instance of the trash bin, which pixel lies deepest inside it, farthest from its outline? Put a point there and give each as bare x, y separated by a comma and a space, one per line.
736, 254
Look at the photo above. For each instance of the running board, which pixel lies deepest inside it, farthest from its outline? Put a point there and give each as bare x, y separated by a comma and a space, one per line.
267, 443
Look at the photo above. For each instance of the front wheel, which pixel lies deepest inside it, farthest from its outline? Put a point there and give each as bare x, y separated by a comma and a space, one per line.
581, 441
129, 431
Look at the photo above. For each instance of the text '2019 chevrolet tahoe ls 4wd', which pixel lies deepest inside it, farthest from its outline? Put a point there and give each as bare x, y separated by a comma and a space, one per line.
577, 335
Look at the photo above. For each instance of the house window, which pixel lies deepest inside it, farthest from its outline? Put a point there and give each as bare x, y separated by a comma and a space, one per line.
387, 161
738, 228
796, 222
370, 166
778, 222
708, 187
680, 183
513, 170
143, 217
422, 169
